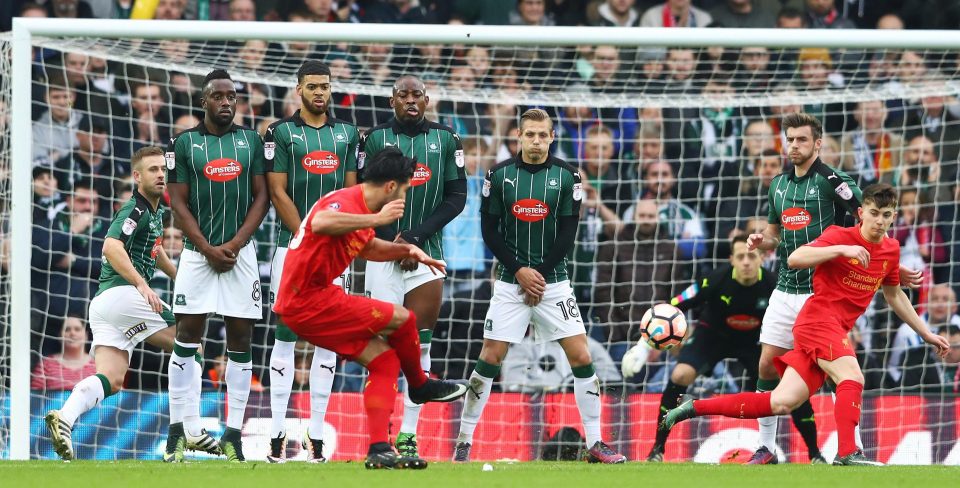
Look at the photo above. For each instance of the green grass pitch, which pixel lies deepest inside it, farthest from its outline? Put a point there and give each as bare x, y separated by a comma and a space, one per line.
214, 474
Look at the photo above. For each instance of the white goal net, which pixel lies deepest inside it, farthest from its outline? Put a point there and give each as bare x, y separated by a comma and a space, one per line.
694, 127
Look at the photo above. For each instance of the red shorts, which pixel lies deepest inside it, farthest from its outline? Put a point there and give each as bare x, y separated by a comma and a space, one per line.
331, 319
813, 342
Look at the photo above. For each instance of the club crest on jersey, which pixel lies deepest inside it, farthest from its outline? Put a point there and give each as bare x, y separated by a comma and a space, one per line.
129, 225
795, 218
553, 183
421, 175
458, 158
334, 206
530, 210
844, 191
433, 147
340, 137
222, 170
320, 162
486, 188
268, 150
170, 158
241, 144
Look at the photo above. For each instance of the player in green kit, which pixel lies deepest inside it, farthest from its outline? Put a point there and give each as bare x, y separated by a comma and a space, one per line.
529, 217
125, 311
803, 202
437, 194
306, 155
219, 197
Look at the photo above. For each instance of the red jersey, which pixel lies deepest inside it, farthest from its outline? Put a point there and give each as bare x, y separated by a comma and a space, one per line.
842, 287
314, 260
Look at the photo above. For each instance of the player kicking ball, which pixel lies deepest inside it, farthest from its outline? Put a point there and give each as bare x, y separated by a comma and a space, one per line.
125, 310
381, 336
851, 264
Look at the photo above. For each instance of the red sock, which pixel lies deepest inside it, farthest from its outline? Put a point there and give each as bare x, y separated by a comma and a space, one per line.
406, 341
846, 411
748, 405
379, 394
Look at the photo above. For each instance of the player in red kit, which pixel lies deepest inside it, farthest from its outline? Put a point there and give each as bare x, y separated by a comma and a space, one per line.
379, 335
851, 265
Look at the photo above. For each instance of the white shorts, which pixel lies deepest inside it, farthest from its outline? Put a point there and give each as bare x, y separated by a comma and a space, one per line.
276, 272
201, 290
385, 281
121, 318
781, 314
557, 316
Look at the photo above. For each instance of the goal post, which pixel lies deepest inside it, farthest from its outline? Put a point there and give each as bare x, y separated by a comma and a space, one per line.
115, 40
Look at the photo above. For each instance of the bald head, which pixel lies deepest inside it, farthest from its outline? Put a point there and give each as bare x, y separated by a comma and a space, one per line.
409, 100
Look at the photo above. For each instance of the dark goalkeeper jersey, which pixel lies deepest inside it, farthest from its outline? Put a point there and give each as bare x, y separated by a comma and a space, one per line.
219, 171
528, 199
439, 156
315, 159
727, 307
803, 207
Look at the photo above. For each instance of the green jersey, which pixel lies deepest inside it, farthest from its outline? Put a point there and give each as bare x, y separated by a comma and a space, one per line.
315, 159
528, 199
439, 156
219, 171
803, 207
140, 228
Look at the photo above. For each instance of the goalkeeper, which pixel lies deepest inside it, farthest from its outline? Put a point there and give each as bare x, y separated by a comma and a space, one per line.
733, 300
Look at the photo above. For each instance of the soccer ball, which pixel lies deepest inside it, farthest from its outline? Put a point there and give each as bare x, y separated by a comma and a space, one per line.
663, 326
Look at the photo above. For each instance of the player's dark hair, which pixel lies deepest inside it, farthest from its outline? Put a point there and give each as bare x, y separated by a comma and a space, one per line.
312, 68
82, 184
791, 13
802, 119
536, 115
880, 194
217, 74
389, 165
142, 153
952, 330
738, 238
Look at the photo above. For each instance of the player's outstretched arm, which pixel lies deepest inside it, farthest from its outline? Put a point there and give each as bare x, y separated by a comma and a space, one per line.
117, 256
901, 305
334, 223
811, 256
381, 250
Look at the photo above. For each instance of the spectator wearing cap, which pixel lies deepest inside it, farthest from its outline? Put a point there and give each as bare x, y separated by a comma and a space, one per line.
746, 13
675, 13
91, 161
54, 133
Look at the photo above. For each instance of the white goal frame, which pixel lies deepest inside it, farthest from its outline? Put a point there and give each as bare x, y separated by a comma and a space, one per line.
26, 29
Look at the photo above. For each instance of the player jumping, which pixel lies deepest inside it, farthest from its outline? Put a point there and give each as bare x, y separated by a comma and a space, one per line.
379, 335
851, 264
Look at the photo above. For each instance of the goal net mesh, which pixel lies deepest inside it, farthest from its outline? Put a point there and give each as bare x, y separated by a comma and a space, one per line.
697, 128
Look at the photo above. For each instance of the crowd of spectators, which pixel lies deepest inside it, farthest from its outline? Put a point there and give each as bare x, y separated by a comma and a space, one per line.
664, 188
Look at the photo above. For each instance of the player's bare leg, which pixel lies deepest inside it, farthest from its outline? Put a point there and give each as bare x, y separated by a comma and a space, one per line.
586, 388
238, 373
846, 374
112, 364
424, 301
682, 376
183, 374
789, 394
481, 382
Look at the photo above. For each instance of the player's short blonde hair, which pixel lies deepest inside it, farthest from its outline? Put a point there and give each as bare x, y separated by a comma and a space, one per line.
536, 115
143, 153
